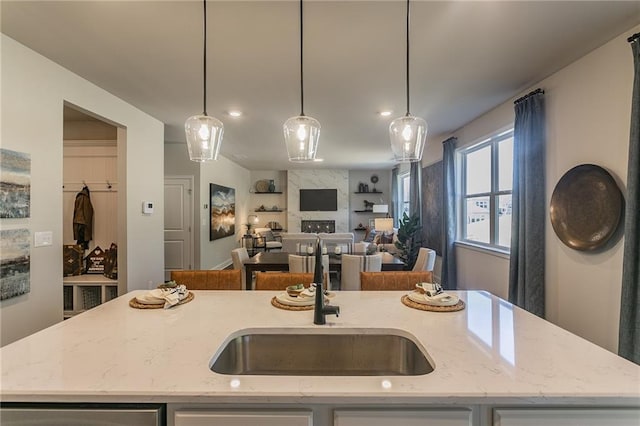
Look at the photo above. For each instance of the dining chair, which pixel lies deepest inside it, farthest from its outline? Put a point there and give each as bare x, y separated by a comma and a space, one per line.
210, 279
353, 264
281, 280
393, 280
308, 264
426, 260
238, 256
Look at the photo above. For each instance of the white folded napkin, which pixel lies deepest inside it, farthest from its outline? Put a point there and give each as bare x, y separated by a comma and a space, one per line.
442, 299
432, 294
169, 296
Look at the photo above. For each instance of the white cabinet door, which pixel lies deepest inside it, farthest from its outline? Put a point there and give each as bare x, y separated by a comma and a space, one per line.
566, 417
433, 417
243, 418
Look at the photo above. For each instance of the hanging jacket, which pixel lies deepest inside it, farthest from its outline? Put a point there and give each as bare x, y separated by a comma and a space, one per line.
83, 218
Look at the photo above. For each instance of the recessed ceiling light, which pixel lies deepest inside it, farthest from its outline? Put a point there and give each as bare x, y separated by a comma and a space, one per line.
385, 113
318, 160
234, 113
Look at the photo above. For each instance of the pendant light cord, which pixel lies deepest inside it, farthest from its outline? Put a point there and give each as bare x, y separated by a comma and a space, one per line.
204, 64
408, 58
301, 63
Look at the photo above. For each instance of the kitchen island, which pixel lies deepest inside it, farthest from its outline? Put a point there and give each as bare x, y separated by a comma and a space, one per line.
493, 364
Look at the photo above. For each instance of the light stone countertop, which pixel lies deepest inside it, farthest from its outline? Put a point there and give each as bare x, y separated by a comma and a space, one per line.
488, 353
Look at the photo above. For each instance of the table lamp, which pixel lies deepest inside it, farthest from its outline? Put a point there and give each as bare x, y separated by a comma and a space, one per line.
252, 219
384, 224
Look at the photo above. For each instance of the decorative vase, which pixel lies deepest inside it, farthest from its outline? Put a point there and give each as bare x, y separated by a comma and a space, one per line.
272, 186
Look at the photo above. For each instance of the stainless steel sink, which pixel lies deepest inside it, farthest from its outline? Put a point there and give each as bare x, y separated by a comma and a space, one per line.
324, 354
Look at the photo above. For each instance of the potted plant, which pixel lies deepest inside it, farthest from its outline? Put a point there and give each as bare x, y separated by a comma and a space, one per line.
409, 241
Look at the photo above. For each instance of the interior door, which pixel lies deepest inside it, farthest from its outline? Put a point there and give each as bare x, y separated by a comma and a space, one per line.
178, 224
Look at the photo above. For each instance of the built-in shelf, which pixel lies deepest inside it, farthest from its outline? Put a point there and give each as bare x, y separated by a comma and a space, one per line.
268, 211
275, 192
367, 211
368, 192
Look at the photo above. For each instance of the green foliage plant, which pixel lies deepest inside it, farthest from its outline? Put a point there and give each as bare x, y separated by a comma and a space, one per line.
409, 240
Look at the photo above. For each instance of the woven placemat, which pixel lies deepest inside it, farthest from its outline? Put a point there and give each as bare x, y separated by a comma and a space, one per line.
135, 304
415, 305
279, 305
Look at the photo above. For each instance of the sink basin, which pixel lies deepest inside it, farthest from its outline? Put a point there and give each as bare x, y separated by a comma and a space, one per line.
321, 354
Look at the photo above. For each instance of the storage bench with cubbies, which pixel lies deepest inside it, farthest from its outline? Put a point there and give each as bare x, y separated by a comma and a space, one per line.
82, 292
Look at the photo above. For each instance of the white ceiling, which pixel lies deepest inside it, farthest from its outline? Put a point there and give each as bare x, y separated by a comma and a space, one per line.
466, 58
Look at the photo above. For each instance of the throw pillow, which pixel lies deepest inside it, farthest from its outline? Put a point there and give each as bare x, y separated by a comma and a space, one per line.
370, 236
267, 235
386, 239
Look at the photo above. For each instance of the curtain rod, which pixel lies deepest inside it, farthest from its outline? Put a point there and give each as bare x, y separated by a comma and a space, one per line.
528, 95
633, 38
454, 138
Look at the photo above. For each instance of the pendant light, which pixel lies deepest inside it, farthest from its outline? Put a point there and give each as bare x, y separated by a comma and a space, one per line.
408, 133
204, 133
301, 133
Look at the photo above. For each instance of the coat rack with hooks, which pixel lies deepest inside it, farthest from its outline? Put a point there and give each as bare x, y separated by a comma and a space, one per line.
98, 186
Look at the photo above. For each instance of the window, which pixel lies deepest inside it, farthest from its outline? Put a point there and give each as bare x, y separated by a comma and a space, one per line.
404, 194
487, 182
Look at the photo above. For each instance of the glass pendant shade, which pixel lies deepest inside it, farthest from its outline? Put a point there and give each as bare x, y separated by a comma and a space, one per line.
204, 137
301, 135
407, 136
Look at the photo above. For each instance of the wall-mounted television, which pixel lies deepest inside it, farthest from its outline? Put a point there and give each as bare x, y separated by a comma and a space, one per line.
318, 200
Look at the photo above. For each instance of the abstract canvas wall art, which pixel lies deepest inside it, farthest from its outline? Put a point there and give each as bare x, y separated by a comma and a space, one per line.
15, 184
432, 204
14, 263
223, 211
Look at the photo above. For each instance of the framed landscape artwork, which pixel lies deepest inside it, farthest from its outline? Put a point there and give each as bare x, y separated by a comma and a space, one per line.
15, 184
15, 263
222, 206
432, 204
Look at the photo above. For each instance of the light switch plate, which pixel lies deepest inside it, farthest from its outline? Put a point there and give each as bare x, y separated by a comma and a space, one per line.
43, 239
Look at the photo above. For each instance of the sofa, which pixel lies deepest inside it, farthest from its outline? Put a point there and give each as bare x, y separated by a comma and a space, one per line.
382, 241
294, 242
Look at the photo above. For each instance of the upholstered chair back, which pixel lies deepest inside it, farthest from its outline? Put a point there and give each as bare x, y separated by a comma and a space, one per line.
226, 279
426, 260
307, 264
352, 265
238, 256
393, 280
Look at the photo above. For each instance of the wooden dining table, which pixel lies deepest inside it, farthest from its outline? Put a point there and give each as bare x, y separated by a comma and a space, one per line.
279, 261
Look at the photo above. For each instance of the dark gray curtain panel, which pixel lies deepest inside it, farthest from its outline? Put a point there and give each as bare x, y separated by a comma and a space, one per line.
527, 264
415, 191
395, 197
449, 276
629, 331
